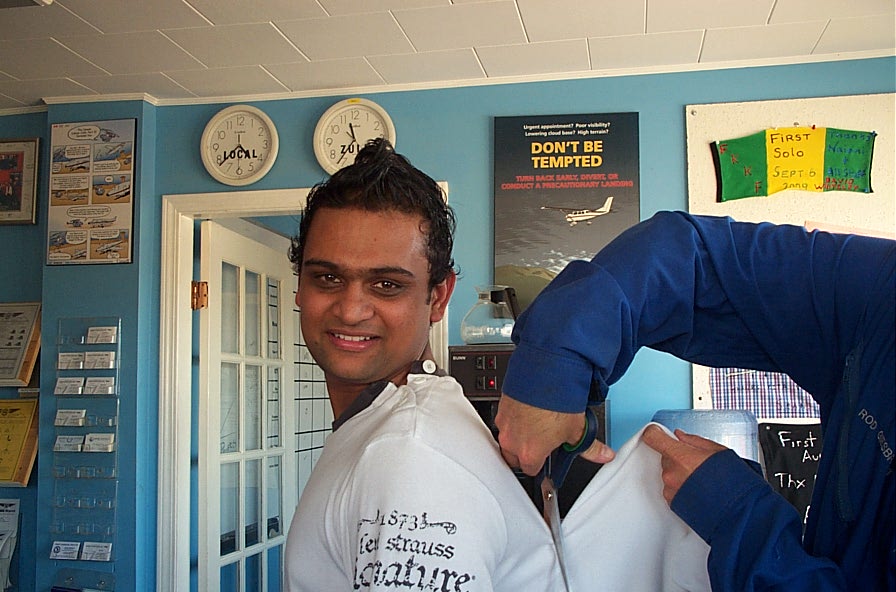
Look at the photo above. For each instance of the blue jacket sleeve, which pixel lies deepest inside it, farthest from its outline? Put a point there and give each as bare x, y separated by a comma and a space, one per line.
708, 290
753, 534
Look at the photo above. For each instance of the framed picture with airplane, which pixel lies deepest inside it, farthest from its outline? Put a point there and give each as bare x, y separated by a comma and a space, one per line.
91, 201
565, 186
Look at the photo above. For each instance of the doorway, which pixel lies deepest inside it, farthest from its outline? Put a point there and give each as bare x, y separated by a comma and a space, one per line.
179, 216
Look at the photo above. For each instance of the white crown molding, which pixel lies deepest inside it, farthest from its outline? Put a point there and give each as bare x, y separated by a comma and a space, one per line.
474, 82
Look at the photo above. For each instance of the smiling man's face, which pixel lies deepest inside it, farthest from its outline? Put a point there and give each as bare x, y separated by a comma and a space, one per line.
363, 291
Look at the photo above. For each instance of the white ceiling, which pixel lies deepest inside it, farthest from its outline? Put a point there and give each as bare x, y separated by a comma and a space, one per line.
194, 51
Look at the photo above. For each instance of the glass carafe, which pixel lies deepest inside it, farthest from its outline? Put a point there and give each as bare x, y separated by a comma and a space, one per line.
491, 318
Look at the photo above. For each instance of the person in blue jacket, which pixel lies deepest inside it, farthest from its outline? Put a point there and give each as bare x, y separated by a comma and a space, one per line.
814, 305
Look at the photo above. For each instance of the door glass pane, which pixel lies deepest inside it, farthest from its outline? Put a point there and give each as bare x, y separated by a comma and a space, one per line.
253, 402
230, 577
230, 407
230, 506
253, 572
273, 308
274, 569
253, 313
274, 485
273, 407
253, 501
230, 308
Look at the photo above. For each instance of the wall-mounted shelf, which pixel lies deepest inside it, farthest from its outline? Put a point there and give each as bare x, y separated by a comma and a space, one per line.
85, 446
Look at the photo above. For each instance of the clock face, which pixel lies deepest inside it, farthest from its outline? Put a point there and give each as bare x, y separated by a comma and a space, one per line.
239, 145
344, 129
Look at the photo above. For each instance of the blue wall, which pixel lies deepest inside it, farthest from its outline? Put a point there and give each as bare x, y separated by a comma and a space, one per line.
21, 258
447, 133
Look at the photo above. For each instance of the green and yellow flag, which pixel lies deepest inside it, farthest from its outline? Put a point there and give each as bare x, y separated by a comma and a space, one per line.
804, 158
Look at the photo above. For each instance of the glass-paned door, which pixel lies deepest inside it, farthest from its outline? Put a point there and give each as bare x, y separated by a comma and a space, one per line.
247, 490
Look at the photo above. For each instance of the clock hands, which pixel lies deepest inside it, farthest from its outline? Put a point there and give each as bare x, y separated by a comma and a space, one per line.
349, 148
237, 153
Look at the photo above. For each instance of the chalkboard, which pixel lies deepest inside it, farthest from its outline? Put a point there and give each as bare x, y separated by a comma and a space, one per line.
790, 455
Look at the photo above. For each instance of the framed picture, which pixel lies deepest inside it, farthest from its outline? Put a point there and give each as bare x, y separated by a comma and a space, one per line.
18, 181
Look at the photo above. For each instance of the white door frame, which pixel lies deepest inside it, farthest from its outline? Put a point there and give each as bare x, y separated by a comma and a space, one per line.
175, 352
175, 356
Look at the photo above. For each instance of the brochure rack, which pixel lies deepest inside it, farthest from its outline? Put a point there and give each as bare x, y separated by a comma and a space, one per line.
85, 450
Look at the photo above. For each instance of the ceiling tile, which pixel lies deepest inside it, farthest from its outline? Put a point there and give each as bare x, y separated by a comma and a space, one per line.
156, 84
131, 53
452, 64
465, 25
636, 51
43, 58
685, 15
535, 58
791, 11
232, 12
856, 34
30, 92
222, 82
235, 45
346, 36
336, 7
769, 41
43, 21
344, 73
123, 16
580, 19
126, 46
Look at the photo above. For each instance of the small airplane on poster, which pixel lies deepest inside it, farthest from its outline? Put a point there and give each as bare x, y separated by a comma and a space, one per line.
110, 248
574, 216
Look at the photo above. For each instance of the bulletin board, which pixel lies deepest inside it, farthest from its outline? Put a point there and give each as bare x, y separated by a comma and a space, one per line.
873, 212
837, 211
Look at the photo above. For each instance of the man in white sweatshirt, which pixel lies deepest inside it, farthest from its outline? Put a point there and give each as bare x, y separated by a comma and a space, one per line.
411, 491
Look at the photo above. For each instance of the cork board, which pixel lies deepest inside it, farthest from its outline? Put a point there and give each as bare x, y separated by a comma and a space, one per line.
873, 213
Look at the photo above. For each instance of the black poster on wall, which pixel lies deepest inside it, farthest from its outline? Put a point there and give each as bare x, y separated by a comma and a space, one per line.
565, 186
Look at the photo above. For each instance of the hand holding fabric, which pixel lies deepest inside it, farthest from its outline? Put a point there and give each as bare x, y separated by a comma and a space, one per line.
680, 458
528, 434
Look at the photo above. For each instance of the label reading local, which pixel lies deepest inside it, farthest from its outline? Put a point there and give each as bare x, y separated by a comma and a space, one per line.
102, 334
65, 550
69, 385
105, 359
68, 444
99, 442
70, 361
70, 417
99, 385
93, 551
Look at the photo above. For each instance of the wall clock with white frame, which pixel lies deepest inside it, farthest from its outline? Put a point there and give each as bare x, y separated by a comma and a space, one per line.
239, 145
345, 127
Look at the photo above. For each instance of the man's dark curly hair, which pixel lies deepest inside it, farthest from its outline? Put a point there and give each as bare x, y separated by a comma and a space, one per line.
381, 180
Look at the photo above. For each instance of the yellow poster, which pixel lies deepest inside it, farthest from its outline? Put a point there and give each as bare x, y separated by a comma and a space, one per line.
17, 438
795, 158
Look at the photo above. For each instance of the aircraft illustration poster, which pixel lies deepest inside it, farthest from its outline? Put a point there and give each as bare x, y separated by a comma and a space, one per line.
565, 186
91, 207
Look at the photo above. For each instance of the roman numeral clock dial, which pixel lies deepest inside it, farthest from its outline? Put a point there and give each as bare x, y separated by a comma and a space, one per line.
239, 145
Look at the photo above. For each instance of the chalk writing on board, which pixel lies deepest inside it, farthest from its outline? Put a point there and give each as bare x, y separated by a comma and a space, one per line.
791, 453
